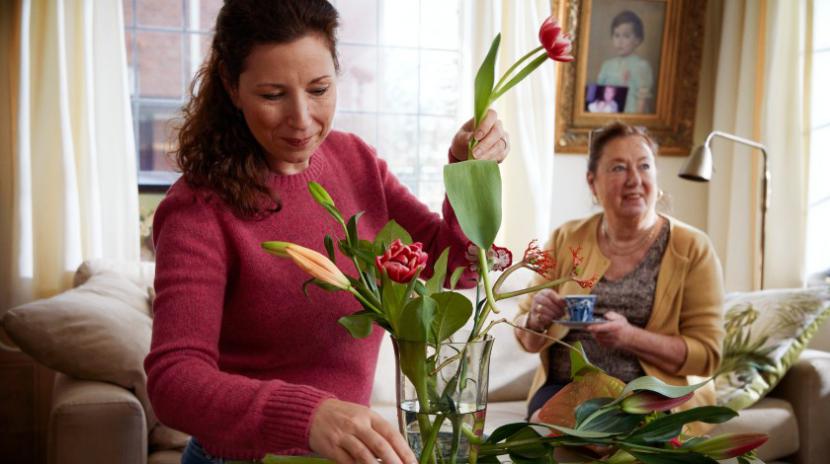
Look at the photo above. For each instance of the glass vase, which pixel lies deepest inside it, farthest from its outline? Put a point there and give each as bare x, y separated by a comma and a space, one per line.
442, 396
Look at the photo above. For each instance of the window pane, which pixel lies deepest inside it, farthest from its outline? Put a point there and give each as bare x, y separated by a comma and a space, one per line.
439, 81
198, 47
441, 24
129, 38
431, 193
128, 12
160, 64
398, 144
399, 80
821, 33
160, 13
357, 89
202, 14
359, 21
156, 132
435, 138
364, 126
818, 223
399, 23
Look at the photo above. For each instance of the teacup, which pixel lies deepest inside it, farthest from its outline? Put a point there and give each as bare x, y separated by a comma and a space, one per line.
580, 307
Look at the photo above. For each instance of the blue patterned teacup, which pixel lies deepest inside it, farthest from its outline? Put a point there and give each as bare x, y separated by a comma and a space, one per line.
580, 307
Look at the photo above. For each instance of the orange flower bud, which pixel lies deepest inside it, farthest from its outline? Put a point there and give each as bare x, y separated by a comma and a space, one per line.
312, 262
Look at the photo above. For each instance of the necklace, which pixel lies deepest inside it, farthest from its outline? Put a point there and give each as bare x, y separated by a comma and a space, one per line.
617, 249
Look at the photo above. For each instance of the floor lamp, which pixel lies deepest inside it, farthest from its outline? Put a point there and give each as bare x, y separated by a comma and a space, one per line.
698, 167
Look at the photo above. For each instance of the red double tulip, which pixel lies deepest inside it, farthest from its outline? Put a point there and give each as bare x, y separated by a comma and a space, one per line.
402, 262
556, 43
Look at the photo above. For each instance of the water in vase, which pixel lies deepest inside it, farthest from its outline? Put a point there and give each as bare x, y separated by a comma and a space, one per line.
469, 423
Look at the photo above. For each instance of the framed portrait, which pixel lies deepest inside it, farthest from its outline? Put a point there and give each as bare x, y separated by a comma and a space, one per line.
637, 61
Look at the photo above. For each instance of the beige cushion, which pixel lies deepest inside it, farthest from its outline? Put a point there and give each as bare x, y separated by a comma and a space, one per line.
772, 416
100, 330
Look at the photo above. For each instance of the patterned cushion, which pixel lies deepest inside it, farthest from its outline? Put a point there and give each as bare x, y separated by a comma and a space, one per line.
765, 333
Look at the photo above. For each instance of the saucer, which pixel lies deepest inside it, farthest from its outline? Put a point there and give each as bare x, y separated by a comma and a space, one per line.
580, 324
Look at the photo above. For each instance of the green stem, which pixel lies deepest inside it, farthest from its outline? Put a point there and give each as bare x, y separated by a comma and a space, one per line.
363, 300
504, 275
488, 291
522, 74
543, 335
429, 444
513, 68
536, 288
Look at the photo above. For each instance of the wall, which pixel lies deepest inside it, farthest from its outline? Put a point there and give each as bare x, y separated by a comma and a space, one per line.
688, 201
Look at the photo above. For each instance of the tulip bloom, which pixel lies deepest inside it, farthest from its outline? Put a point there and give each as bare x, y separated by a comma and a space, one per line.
401, 262
557, 45
645, 402
500, 258
312, 262
729, 445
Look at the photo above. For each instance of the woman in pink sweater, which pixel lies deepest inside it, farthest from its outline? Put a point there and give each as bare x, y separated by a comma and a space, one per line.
241, 359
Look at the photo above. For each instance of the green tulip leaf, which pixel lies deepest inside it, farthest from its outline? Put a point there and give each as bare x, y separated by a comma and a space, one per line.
529, 68
651, 383
388, 234
358, 324
452, 312
580, 433
393, 296
669, 426
579, 362
415, 322
439, 272
485, 77
474, 190
352, 229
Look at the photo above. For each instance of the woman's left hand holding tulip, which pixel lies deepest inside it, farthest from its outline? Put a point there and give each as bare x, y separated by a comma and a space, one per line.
615, 333
493, 141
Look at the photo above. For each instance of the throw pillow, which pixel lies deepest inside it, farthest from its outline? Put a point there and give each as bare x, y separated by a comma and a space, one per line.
99, 331
766, 331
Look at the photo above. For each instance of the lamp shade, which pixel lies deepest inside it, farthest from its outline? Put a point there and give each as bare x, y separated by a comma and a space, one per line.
698, 166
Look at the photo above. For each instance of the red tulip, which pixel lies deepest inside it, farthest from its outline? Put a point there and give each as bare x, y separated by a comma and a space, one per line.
401, 262
645, 402
556, 43
729, 445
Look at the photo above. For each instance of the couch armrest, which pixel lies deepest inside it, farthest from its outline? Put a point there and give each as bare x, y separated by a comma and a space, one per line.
95, 422
807, 388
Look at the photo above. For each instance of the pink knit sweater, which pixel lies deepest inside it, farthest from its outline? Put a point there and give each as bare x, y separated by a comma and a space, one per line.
240, 358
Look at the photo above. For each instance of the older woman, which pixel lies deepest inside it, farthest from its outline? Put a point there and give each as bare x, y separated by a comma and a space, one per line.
660, 284
241, 359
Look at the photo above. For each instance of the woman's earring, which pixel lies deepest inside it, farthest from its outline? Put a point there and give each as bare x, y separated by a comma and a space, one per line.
594, 199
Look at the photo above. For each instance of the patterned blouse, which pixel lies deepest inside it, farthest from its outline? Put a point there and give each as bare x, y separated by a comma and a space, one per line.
633, 297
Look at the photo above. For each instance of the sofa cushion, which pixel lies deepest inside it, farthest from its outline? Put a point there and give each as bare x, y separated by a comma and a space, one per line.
100, 331
772, 416
765, 333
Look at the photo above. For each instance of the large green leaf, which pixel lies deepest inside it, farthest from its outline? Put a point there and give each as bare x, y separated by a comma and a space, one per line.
650, 383
391, 231
485, 77
439, 272
474, 190
452, 312
456, 274
579, 362
352, 228
358, 324
415, 323
581, 433
669, 426
393, 295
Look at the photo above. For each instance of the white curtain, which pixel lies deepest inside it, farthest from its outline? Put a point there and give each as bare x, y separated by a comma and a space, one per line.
734, 201
527, 111
69, 188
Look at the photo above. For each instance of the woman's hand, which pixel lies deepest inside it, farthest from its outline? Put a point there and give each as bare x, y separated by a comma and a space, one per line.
615, 333
493, 141
545, 307
348, 432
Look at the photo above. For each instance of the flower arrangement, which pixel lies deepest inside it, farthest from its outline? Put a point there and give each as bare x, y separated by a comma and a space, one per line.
597, 416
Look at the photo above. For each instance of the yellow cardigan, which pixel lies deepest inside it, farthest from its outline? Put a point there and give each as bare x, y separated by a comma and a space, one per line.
688, 300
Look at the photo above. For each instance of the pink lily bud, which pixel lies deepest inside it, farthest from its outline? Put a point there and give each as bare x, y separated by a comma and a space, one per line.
556, 44
401, 262
729, 445
312, 262
645, 402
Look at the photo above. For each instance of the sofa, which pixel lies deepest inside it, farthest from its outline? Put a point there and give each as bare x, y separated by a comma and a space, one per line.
105, 417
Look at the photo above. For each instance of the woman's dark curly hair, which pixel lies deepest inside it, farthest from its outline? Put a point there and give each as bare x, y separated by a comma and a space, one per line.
215, 147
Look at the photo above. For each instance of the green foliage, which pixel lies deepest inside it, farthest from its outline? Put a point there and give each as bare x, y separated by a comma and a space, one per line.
474, 190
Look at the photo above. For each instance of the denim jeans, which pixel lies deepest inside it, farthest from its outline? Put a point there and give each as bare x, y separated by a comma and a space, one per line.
195, 454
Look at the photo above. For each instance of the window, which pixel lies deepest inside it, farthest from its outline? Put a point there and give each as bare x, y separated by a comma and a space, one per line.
818, 213
399, 87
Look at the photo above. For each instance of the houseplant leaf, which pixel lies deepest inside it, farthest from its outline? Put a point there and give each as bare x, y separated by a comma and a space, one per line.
474, 190
388, 234
439, 272
485, 77
452, 312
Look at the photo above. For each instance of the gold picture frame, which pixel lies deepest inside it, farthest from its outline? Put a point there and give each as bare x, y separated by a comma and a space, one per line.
666, 108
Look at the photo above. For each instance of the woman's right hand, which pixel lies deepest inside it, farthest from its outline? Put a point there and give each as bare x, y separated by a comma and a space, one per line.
546, 307
348, 432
